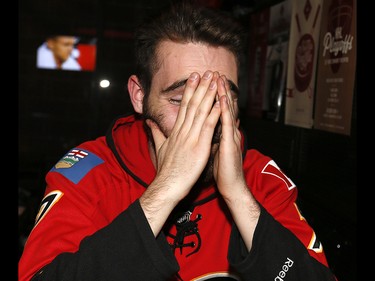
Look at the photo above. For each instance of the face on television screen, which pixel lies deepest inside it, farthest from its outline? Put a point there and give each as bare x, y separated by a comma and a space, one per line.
67, 52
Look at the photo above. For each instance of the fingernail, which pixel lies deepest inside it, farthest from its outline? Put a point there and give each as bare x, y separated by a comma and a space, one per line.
194, 76
207, 75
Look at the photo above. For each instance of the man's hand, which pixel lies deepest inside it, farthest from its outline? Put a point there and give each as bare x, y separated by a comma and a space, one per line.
228, 170
182, 156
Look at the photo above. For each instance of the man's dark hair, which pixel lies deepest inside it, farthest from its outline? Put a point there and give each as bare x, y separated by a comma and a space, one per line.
185, 21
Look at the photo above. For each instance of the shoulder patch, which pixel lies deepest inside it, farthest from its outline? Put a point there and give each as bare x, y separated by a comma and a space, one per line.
48, 201
76, 164
272, 169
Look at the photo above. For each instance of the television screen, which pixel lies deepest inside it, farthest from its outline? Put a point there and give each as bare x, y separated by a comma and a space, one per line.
67, 52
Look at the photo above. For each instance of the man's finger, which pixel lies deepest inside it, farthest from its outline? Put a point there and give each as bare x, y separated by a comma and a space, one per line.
190, 87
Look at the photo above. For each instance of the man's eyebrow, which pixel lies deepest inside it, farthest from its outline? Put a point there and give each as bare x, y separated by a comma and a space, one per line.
174, 86
180, 83
233, 87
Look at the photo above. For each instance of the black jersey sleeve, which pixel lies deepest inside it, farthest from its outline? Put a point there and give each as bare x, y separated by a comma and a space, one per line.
276, 254
126, 249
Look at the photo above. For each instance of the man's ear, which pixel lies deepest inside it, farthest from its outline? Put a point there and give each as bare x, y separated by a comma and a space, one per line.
49, 43
136, 93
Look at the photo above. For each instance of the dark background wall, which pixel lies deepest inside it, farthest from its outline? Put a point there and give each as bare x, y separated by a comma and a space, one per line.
59, 109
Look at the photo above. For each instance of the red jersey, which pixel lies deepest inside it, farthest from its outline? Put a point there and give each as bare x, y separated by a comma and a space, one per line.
90, 225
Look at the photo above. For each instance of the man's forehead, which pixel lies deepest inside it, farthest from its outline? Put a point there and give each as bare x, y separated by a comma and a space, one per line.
176, 61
